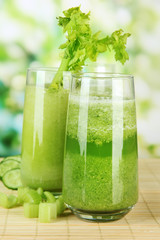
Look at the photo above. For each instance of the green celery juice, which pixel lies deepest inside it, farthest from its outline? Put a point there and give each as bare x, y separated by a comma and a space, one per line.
43, 137
101, 155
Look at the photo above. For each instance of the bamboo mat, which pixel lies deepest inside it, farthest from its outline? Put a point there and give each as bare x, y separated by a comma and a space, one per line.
142, 223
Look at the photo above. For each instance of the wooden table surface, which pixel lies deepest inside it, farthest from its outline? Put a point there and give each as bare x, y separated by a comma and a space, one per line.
142, 223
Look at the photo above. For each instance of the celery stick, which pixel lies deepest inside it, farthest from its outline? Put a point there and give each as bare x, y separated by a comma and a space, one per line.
59, 75
44, 213
60, 205
47, 211
26, 194
12, 201
49, 196
53, 208
31, 210
82, 44
40, 191
3, 200
7, 201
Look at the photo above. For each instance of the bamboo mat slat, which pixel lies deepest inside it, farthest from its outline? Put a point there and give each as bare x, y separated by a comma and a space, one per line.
142, 223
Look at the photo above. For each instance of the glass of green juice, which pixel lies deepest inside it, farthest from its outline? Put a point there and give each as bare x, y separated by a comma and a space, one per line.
43, 134
100, 177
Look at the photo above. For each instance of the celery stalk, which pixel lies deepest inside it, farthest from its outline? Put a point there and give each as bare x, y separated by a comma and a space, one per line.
31, 210
7, 201
60, 205
82, 44
47, 211
49, 196
28, 195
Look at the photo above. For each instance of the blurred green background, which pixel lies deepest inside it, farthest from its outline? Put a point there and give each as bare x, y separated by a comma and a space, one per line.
30, 36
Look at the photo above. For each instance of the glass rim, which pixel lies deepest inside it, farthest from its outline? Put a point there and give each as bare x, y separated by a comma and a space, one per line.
81, 74
44, 69
103, 75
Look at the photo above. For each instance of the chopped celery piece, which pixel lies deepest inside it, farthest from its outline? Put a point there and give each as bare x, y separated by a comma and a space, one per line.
60, 205
12, 200
40, 191
53, 208
47, 211
7, 201
49, 197
28, 195
31, 210
44, 213
3, 200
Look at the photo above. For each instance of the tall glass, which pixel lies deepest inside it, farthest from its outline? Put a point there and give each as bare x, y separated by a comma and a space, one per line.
43, 130
100, 181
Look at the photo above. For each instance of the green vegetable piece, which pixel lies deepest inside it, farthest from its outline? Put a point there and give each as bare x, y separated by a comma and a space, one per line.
3, 200
7, 165
12, 201
7, 201
60, 205
28, 195
40, 191
44, 213
53, 208
12, 179
50, 198
16, 157
82, 44
47, 211
31, 210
